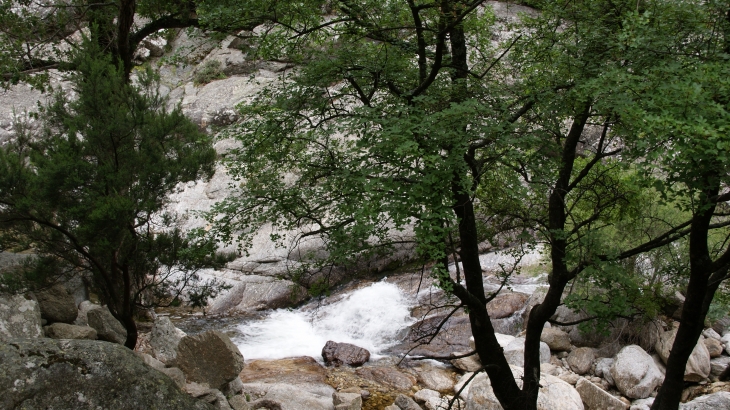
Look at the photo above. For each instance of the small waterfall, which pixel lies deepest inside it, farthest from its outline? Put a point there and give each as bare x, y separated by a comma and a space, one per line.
371, 317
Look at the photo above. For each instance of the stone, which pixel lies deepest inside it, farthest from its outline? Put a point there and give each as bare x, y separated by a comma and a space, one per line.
721, 325
603, 369
289, 397
710, 333
84, 308
107, 326
387, 376
462, 386
295, 370
436, 379
714, 347
234, 387
175, 374
83, 374
506, 304
150, 361
595, 397
569, 377
338, 354
581, 359
424, 395
719, 364
634, 373
196, 389
698, 364
553, 394
60, 330
57, 305
714, 401
164, 339
726, 341
642, 404
257, 292
406, 403
238, 402
19, 318
556, 339
217, 399
391, 407
515, 352
209, 357
347, 401
467, 364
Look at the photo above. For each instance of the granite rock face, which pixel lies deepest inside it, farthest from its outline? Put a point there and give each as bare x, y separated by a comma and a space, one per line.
83, 374
209, 358
338, 354
57, 305
19, 318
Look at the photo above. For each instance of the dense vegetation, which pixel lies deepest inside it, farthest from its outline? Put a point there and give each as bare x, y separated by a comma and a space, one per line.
597, 129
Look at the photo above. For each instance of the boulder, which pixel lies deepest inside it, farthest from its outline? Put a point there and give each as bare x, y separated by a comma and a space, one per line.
710, 333
714, 347
85, 307
714, 401
60, 330
642, 404
581, 359
289, 397
338, 354
238, 402
406, 403
698, 365
719, 364
387, 376
217, 400
57, 305
150, 361
347, 401
107, 326
19, 318
596, 398
554, 393
391, 407
556, 339
258, 292
175, 374
462, 386
424, 395
294, 370
506, 304
83, 374
467, 364
164, 339
634, 373
726, 341
210, 358
436, 379
603, 369
515, 352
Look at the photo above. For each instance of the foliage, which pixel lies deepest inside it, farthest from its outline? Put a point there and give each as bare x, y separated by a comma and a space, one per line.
210, 71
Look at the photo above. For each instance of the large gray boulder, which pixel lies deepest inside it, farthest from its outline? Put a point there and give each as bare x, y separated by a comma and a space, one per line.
338, 354
209, 358
635, 373
66, 331
164, 339
556, 339
714, 401
719, 364
57, 305
19, 317
84, 308
581, 359
596, 398
107, 326
553, 394
83, 374
698, 365
515, 352
289, 397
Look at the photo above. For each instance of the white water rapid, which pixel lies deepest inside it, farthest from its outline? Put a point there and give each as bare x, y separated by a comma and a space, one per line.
371, 317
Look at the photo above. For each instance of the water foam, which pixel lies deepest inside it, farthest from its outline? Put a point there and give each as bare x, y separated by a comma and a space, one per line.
371, 317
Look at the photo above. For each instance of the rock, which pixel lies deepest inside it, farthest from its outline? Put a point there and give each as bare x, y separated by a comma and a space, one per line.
257, 292
392, 407
289, 397
710, 333
721, 325
436, 379
506, 304
714, 347
107, 326
634, 373
554, 393
217, 399
296, 370
196, 389
515, 352
210, 358
719, 364
603, 369
234, 387
338, 354
642, 404
595, 397
387, 376
581, 359
462, 383
347, 401
151, 361
726, 341
164, 339
569, 377
84, 308
556, 339
239, 402
715, 401
57, 305
442, 403
175, 374
83, 374
698, 364
19, 318
423, 395
60, 330
406, 403
467, 364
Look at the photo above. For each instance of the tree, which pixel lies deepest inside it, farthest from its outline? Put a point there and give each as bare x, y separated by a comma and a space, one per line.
88, 195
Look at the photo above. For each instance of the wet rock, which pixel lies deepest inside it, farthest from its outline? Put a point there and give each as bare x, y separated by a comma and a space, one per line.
635, 373
255, 293
436, 379
57, 305
554, 393
506, 304
387, 376
289, 397
719, 364
210, 358
347, 401
291, 371
515, 352
556, 339
83, 374
581, 359
19, 318
107, 326
596, 398
338, 354
714, 347
84, 308
715, 401
164, 339
65, 331
454, 336
698, 364
406, 403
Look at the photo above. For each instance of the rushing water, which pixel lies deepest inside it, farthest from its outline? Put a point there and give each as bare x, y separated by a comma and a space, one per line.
371, 317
